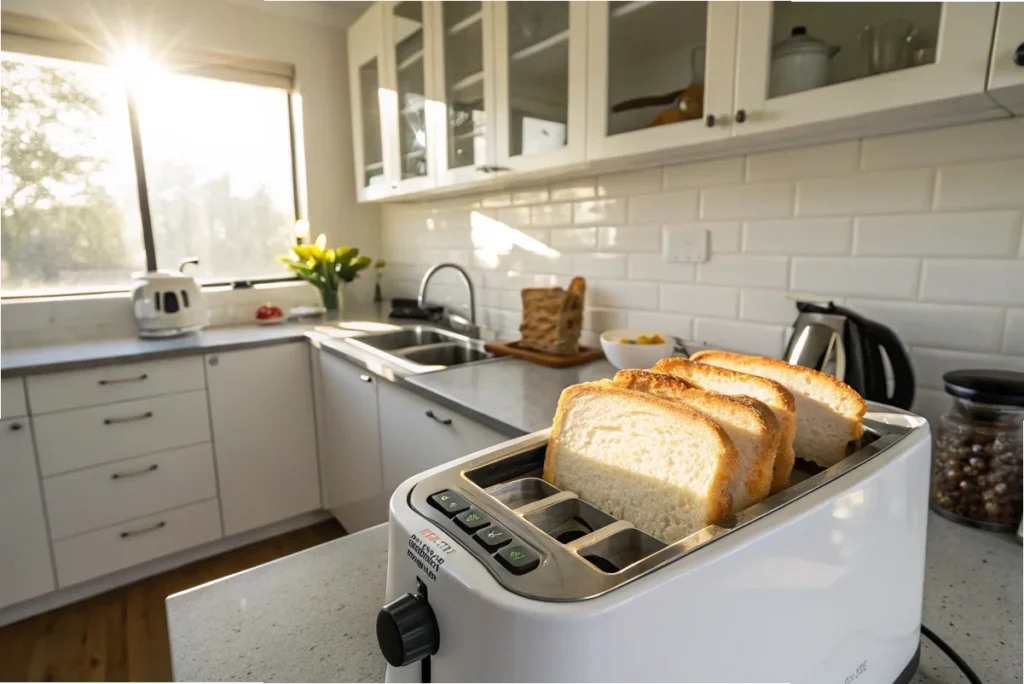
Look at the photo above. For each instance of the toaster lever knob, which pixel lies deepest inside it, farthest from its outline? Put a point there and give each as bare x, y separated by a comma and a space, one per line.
407, 630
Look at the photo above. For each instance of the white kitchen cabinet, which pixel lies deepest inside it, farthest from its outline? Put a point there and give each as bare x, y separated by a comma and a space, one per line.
264, 437
12, 398
369, 99
641, 50
26, 568
417, 434
350, 448
931, 59
1006, 73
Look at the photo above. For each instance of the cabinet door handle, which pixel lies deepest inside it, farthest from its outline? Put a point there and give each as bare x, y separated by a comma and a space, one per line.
365, 378
133, 473
485, 169
15, 427
709, 120
741, 115
127, 419
119, 381
442, 421
1018, 55
144, 530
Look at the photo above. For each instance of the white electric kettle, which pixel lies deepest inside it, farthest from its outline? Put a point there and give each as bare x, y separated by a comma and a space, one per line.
168, 303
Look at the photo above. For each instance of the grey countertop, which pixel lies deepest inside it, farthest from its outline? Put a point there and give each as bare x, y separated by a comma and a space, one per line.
310, 617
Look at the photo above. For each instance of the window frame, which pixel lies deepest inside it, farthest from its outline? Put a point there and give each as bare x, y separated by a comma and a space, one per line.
42, 38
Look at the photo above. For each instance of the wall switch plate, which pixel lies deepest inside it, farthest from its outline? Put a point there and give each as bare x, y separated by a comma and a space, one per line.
686, 245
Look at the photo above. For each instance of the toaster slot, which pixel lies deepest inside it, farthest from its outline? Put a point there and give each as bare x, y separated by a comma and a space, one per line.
518, 493
620, 550
570, 519
527, 463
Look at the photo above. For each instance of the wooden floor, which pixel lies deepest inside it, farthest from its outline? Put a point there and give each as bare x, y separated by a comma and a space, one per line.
122, 635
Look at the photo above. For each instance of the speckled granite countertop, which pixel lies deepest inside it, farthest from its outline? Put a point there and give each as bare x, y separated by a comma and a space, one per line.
310, 617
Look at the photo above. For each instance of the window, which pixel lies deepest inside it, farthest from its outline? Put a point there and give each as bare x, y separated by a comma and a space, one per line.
219, 178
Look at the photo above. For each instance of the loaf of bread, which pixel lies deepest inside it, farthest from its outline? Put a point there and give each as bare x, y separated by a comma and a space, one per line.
553, 318
655, 463
753, 431
829, 413
776, 397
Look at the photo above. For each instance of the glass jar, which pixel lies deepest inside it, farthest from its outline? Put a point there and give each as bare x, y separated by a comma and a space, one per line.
976, 457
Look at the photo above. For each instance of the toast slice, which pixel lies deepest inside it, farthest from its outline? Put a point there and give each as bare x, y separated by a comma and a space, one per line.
829, 413
754, 433
649, 461
733, 383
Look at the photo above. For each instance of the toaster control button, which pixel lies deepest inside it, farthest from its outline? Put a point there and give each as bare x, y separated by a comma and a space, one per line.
493, 537
518, 559
448, 502
472, 520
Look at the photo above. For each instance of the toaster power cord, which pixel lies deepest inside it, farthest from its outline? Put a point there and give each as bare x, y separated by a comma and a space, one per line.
953, 655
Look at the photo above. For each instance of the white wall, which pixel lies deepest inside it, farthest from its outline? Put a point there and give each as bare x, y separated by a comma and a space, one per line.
921, 231
317, 50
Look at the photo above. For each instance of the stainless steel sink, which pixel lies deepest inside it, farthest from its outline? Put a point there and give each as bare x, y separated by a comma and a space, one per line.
449, 354
414, 336
421, 349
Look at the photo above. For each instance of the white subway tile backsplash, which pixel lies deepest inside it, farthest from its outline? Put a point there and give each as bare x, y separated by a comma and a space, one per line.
767, 306
973, 281
574, 239
622, 294
521, 261
804, 162
986, 140
755, 200
969, 328
600, 265
704, 174
577, 188
1013, 333
931, 404
880, 192
497, 199
827, 236
742, 269
983, 185
558, 214
629, 183
604, 319
749, 338
654, 267
513, 217
665, 207
724, 237
702, 300
992, 233
599, 211
531, 196
629, 238
931, 364
670, 324
872, 277
27, 315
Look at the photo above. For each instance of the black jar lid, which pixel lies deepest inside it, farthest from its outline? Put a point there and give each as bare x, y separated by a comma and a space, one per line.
986, 386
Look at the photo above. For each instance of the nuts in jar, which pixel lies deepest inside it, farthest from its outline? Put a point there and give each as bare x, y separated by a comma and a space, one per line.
977, 460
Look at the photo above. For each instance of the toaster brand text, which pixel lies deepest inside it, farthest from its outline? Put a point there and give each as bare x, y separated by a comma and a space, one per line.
427, 559
861, 669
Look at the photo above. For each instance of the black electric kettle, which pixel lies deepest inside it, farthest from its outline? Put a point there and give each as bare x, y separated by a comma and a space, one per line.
843, 343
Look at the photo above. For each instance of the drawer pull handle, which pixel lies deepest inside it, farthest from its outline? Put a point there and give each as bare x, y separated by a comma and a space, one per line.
144, 530
365, 378
128, 419
133, 473
442, 421
15, 427
118, 381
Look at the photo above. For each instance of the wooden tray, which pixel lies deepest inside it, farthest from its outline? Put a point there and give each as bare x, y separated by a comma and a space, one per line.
550, 360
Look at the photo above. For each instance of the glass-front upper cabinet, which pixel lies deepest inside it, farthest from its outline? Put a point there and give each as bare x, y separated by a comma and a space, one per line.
367, 92
1006, 73
540, 77
464, 89
660, 75
804, 62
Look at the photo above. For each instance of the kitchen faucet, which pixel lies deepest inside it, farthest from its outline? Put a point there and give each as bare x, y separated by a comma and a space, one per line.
422, 300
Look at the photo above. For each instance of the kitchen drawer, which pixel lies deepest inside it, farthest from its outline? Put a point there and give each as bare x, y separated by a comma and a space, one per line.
97, 497
79, 439
120, 546
108, 384
12, 398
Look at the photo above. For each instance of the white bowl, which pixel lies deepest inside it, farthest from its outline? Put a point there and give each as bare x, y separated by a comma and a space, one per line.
623, 355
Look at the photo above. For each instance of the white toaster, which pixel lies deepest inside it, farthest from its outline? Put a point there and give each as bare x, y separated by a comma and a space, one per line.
495, 575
